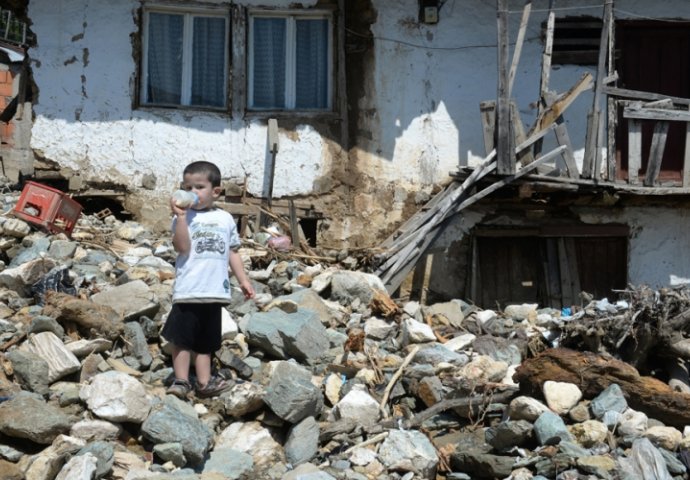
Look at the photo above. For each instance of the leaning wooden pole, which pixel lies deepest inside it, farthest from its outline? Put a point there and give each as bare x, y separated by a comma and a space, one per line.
505, 159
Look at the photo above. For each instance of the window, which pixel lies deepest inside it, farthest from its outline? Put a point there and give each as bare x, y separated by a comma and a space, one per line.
185, 58
290, 62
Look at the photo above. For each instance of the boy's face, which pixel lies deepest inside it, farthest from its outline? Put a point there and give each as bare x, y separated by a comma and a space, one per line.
200, 184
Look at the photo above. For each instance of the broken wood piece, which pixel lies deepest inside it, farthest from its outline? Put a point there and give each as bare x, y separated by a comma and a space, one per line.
634, 150
592, 373
372, 441
562, 102
640, 95
487, 112
518, 45
593, 118
656, 153
395, 378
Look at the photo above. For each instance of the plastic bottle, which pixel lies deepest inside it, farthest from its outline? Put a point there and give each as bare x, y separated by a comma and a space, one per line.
185, 199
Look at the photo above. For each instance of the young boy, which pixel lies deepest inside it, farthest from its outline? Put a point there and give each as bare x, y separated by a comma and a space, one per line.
205, 239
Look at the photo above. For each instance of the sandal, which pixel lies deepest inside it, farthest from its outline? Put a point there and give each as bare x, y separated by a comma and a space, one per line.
180, 388
215, 386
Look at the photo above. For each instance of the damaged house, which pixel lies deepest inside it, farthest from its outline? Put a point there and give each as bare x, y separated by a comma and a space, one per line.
377, 120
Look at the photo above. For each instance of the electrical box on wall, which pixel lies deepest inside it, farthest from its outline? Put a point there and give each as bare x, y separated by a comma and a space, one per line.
428, 11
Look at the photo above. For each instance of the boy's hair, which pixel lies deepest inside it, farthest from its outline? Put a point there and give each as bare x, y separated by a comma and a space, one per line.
211, 171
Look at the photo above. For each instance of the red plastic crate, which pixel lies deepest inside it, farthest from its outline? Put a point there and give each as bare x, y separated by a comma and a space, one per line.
48, 208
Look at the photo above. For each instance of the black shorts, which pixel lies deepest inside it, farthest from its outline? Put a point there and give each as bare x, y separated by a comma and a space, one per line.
194, 326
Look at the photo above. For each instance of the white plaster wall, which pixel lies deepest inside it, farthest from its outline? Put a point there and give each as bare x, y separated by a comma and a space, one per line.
85, 71
659, 242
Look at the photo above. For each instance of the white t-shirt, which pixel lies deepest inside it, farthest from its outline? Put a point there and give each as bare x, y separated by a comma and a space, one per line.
202, 276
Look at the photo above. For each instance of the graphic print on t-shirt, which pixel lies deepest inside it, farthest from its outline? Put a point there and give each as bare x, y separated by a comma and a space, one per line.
208, 240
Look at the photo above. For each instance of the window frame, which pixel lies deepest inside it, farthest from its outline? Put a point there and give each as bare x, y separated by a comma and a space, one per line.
291, 15
188, 13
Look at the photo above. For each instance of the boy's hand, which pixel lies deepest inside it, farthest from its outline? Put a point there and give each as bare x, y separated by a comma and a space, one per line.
180, 212
247, 289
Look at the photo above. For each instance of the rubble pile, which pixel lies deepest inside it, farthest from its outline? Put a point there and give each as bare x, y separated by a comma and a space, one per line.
332, 379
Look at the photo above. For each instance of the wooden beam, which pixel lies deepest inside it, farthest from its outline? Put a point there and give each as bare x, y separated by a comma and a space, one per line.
656, 153
518, 45
505, 160
634, 150
487, 112
640, 95
642, 113
556, 109
591, 141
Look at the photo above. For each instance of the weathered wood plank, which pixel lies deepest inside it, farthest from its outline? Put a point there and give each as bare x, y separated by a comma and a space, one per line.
656, 153
505, 157
556, 109
594, 119
525, 156
487, 111
634, 151
640, 95
239, 54
657, 114
518, 45
564, 139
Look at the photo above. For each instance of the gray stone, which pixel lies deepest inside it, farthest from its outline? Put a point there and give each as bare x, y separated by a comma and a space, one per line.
409, 451
572, 449
231, 464
62, 249
60, 360
451, 311
298, 335
30, 370
137, 344
509, 434
167, 424
104, 453
42, 323
307, 471
11, 454
131, 300
243, 398
610, 399
27, 416
170, 452
308, 299
33, 247
290, 393
499, 349
481, 465
550, 429
117, 397
302, 441
346, 286
79, 467
434, 354
20, 278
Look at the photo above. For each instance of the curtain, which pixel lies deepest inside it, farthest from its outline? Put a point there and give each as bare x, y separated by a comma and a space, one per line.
311, 80
208, 62
164, 58
269, 41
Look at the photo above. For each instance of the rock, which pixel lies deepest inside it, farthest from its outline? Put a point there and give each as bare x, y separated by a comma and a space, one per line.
513, 433
481, 465
632, 423
27, 416
168, 424
290, 393
526, 408
117, 397
298, 335
416, 332
346, 286
302, 441
10, 471
30, 370
333, 384
82, 467
561, 396
231, 464
42, 323
47, 463
590, 433
84, 347
521, 312
378, 329
60, 360
483, 369
307, 471
550, 429
461, 342
94, 430
358, 405
498, 348
451, 312
610, 399
253, 439
600, 465
170, 452
20, 278
137, 344
644, 461
88, 315
409, 451
665, 437
103, 452
243, 398
131, 300
433, 354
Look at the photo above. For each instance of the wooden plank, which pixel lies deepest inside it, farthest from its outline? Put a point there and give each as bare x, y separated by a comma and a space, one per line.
546, 59
564, 270
525, 156
487, 111
664, 114
611, 108
640, 95
656, 153
686, 158
634, 151
591, 141
556, 108
563, 139
518, 45
571, 255
505, 160
294, 224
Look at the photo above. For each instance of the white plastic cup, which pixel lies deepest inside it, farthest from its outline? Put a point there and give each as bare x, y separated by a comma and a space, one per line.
185, 199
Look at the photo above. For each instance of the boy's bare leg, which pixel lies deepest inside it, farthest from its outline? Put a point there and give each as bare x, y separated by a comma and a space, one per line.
181, 361
202, 364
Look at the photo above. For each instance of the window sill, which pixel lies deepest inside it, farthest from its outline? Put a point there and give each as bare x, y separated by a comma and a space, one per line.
313, 115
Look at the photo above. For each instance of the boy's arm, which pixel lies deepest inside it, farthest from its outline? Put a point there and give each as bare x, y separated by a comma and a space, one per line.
181, 241
237, 268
